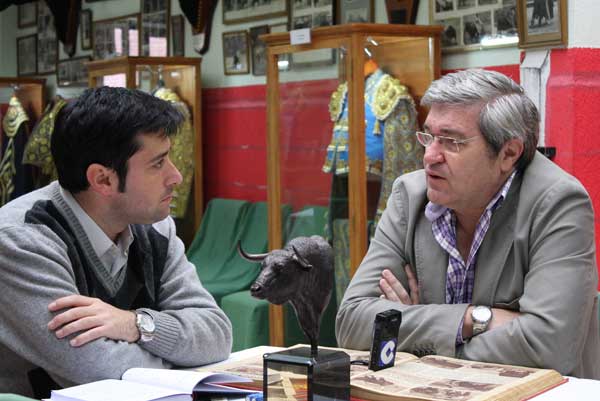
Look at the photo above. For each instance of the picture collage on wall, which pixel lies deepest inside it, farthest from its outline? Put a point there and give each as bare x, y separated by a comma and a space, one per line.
475, 24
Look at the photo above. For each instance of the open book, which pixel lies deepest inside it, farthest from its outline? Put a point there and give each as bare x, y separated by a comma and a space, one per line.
140, 384
430, 378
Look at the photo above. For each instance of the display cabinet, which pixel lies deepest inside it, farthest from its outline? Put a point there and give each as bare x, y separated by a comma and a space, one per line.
181, 75
308, 87
31, 94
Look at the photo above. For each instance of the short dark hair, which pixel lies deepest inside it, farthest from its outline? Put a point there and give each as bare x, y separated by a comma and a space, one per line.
101, 126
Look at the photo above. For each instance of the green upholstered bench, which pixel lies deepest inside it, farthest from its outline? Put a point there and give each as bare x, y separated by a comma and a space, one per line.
214, 244
14, 397
249, 317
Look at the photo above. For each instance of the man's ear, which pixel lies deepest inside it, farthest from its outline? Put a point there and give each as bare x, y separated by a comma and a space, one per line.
102, 180
510, 154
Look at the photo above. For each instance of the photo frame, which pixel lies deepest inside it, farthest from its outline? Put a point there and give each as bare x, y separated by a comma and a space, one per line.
355, 11
238, 11
258, 50
283, 60
475, 24
401, 11
27, 55
155, 21
542, 23
47, 40
27, 15
116, 37
178, 35
85, 28
72, 72
235, 53
311, 14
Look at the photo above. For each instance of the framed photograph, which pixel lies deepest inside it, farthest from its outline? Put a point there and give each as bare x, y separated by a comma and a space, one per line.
72, 72
47, 46
155, 15
178, 35
258, 49
283, 61
349, 11
542, 23
116, 37
85, 27
237, 11
475, 24
27, 55
27, 15
401, 11
311, 14
235, 53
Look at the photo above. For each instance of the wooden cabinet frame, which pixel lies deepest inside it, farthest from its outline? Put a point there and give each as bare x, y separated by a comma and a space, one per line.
31, 93
410, 53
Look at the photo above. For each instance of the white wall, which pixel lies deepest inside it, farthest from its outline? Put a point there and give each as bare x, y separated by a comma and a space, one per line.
212, 65
8, 42
584, 30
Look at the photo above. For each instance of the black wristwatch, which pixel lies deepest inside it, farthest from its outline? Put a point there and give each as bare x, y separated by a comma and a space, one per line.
481, 316
145, 325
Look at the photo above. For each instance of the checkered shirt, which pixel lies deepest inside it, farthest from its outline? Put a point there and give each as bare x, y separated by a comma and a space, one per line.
460, 277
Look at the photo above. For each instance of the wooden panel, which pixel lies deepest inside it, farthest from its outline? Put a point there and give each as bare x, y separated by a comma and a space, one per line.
31, 94
276, 318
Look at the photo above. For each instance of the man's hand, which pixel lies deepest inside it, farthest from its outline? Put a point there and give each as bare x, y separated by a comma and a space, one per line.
393, 290
93, 318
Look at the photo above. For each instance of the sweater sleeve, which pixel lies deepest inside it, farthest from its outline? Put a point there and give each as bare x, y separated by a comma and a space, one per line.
36, 270
190, 328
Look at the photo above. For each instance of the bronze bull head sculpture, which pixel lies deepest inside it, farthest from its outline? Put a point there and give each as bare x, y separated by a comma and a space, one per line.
302, 274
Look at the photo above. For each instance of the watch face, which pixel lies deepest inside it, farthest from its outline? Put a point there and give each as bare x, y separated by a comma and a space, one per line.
482, 313
147, 323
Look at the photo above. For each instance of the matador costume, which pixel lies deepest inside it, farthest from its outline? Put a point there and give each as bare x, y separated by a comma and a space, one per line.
15, 178
37, 150
391, 150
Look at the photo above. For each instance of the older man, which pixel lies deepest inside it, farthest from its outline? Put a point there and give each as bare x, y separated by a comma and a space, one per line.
489, 251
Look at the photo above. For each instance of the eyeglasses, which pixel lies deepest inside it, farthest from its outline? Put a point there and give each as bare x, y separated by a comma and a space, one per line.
448, 144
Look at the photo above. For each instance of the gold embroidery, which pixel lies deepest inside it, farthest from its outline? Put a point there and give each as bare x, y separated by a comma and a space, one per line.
15, 116
337, 101
37, 150
387, 95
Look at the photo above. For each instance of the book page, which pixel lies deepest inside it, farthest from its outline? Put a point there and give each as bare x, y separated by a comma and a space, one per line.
182, 380
444, 379
117, 390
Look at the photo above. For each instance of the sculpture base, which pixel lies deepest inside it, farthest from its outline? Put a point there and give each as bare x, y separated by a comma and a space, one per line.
324, 378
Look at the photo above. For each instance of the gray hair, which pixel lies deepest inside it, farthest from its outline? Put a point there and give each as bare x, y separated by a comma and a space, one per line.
507, 113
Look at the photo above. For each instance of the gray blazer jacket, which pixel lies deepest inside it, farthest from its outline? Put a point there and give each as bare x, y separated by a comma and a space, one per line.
538, 257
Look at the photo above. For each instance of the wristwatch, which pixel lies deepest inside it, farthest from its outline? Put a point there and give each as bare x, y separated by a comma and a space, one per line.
481, 316
145, 325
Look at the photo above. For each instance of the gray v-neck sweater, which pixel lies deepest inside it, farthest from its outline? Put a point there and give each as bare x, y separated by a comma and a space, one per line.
45, 254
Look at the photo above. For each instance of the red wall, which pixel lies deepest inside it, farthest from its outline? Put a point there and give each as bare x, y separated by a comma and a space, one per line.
572, 123
235, 154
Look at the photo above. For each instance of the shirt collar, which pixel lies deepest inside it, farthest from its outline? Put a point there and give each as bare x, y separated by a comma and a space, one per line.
98, 238
433, 211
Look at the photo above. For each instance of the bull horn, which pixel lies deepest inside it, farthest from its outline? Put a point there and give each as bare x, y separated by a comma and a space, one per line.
300, 259
250, 257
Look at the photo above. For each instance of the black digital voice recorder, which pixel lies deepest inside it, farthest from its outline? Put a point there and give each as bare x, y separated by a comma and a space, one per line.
385, 339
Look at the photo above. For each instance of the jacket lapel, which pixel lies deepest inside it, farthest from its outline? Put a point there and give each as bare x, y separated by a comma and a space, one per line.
496, 247
431, 264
